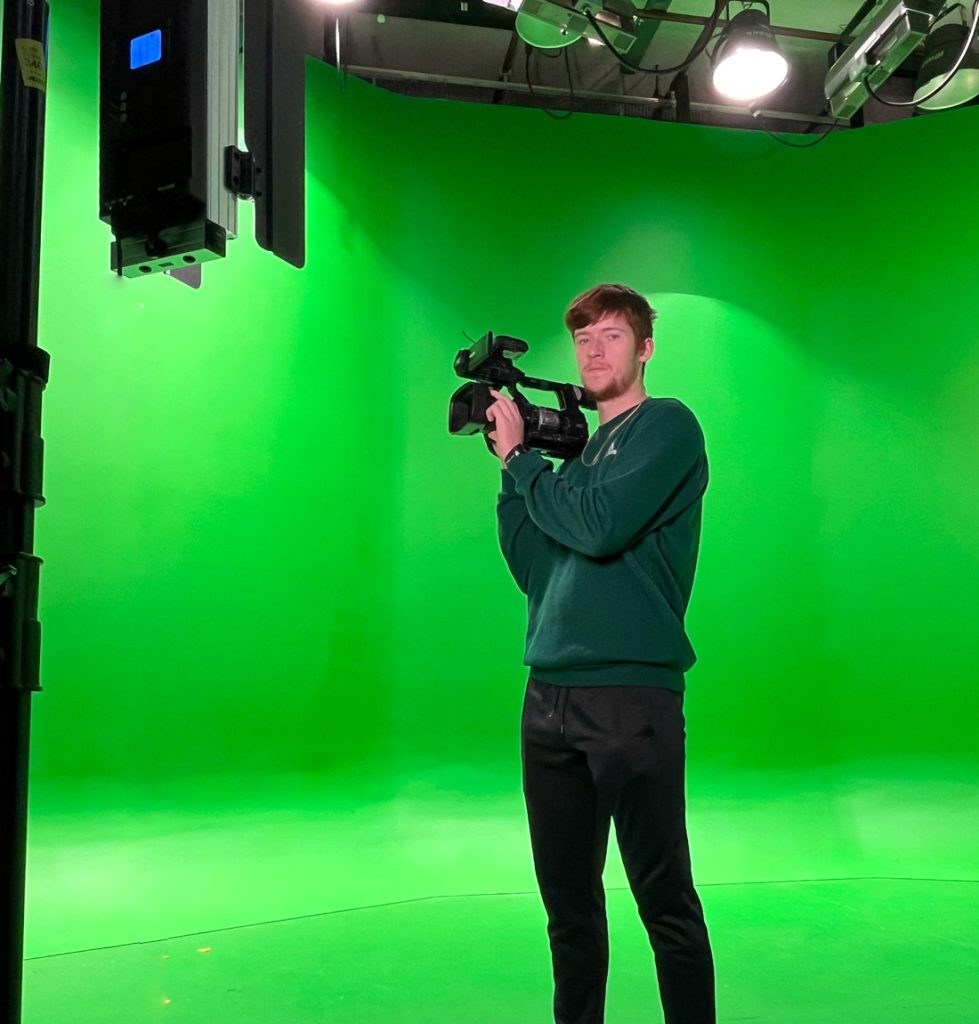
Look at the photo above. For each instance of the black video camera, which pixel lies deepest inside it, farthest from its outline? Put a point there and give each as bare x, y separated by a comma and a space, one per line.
561, 433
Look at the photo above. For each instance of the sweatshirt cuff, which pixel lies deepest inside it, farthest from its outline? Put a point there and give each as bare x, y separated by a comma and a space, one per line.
507, 483
524, 468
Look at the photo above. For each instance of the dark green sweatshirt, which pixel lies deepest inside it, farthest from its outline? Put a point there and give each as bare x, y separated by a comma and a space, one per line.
606, 553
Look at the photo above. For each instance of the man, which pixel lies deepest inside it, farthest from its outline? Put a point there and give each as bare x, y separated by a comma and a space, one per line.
605, 550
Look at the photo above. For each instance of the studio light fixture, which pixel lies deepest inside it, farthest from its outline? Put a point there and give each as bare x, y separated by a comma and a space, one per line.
945, 45
747, 61
552, 24
881, 44
949, 72
545, 25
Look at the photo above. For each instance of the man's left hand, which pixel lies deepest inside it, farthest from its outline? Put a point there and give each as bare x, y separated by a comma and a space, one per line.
505, 415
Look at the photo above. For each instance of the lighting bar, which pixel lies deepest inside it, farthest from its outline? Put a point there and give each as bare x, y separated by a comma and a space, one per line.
887, 39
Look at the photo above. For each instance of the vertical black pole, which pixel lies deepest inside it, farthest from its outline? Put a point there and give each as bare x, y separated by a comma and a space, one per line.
23, 374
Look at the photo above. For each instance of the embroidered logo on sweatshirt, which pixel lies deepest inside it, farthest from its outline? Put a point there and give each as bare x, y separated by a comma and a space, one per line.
612, 450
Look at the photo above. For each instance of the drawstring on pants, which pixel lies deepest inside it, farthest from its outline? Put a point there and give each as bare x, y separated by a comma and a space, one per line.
560, 698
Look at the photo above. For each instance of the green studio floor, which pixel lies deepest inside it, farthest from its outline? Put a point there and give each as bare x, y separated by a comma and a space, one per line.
847, 895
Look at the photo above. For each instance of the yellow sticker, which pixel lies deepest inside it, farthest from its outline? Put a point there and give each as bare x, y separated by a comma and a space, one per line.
30, 53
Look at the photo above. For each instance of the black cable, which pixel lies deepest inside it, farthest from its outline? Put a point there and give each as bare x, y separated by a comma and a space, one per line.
698, 47
530, 85
947, 10
970, 39
757, 114
567, 68
804, 145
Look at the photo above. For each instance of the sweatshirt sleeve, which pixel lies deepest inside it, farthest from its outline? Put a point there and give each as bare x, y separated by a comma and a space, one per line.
657, 474
520, 538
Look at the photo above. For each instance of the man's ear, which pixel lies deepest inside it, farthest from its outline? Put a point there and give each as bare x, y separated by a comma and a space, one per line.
647, 350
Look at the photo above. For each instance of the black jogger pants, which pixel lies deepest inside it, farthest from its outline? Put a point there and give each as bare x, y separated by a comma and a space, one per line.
592, 755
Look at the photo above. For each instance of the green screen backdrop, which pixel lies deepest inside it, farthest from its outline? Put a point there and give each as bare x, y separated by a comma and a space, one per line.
264, 553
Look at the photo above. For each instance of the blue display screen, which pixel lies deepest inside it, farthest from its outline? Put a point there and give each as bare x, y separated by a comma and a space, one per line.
146, 49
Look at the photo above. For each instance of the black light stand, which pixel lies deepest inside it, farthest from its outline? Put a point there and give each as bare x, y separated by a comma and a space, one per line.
23, 375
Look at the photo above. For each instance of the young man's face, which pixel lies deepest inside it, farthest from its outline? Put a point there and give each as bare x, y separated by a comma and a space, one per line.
607, 358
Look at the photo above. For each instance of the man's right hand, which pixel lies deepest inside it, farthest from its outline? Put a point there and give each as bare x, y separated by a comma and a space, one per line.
505, 416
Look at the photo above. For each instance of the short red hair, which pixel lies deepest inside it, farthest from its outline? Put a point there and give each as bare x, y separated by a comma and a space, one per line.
604, 299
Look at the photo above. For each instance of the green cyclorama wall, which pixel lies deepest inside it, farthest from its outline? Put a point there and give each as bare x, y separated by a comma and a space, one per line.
894, 342
264, 552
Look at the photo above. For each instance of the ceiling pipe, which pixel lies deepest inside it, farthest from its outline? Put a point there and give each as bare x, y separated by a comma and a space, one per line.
696, 19
391, 75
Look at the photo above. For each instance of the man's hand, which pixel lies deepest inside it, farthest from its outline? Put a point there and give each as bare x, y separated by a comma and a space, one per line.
509, 425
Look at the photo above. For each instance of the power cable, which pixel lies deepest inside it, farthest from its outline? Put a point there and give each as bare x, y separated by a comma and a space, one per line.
530, 85
800, 145
698, 47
